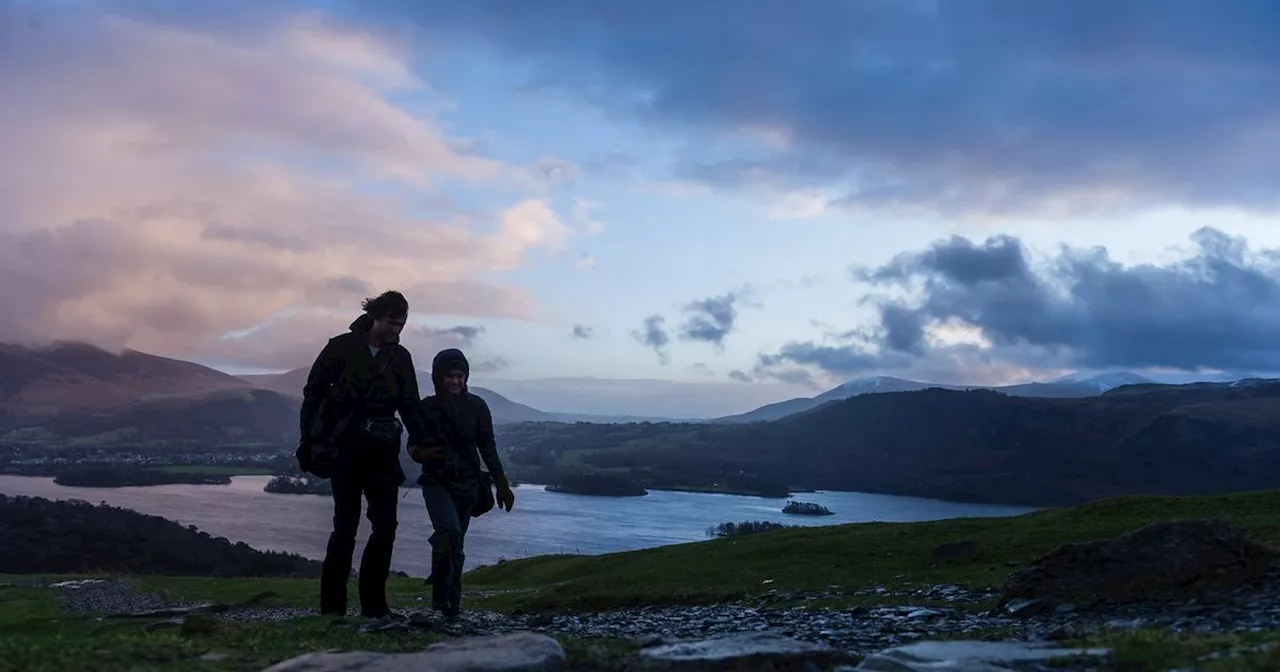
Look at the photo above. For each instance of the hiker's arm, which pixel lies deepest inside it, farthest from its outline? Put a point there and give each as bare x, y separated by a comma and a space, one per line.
486, 441
407, 404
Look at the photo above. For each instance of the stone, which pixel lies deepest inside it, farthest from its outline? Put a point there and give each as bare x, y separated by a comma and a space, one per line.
164, 625
514, 652
955, 550
1164, 560
970, 656
746, 651
1022, 606
77, 583
647, 640
167, 611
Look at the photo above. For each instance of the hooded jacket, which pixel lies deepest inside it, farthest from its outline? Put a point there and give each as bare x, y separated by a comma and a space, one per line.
460, 422
346, 369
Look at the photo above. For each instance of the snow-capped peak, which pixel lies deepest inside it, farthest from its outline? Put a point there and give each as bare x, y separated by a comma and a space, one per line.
1104, 381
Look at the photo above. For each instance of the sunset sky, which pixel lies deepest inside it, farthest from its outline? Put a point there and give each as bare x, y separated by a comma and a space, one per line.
652, 207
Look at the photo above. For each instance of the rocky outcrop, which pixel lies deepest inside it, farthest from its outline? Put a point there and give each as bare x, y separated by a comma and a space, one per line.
976, 657
1166, 560
514, 652
746, 651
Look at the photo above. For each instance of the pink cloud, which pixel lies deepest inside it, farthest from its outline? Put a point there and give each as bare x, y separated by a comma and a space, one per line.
163, 186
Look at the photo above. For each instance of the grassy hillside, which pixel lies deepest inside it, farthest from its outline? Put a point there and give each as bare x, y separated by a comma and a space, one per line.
851, 556
35, 634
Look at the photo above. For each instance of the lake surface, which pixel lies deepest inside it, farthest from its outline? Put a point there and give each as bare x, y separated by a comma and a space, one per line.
542, 522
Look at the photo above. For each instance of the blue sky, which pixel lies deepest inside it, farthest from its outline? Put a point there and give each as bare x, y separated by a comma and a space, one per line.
522, 169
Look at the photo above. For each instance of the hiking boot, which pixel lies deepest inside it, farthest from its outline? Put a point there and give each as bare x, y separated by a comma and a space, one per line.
388, 615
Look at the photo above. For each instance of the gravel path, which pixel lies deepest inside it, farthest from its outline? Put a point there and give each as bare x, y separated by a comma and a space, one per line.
859, 629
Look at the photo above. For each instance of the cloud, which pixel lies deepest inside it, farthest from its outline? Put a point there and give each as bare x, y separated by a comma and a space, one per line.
654, 335
740, 376
490, 365
642, 397
990, 310
990, 106
710, 319
172, 182
583, 218
701, 369
583, 331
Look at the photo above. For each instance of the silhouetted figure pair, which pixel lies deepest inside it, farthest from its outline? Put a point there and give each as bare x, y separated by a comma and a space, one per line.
350, 434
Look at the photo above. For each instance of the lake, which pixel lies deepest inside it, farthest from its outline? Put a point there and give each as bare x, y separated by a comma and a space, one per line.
542, 522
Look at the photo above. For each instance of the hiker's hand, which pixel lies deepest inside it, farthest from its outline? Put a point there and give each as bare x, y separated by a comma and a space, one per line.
423, 454
506, 498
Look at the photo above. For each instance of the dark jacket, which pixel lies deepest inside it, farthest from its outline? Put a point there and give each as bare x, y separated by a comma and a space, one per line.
332, 408
462, 423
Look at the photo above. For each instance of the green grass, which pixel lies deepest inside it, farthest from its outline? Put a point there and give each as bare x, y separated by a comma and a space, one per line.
1154, 651
35, 635
895, 555
215, 470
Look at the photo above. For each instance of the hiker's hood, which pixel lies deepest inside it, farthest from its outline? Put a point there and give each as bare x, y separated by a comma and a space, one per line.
362, 325
445, 361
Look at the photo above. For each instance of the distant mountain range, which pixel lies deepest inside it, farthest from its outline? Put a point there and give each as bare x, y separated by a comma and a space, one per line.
1067, 387
974, 445
78, 393
1053, 442
504, 410
76, 376
74, 394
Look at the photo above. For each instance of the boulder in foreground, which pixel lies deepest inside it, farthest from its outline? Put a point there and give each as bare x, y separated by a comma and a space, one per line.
746, 651
972, 656
514, 652
1175, 559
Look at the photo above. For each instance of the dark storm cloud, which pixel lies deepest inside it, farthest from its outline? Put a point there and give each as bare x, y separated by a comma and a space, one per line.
654, 335
1217, 309
710, 319
979, 105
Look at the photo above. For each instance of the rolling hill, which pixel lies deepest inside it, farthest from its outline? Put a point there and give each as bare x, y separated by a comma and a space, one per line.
1072, 386
76, 376
971, 445
227, 418
504, 410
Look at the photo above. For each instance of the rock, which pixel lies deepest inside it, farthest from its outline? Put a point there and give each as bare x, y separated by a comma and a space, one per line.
746, 651
353, 661
955, 550
164, 625
651, 639
1022, 606
77, 583
541, 620
515, 652
167, 611
1164, 560
970, 656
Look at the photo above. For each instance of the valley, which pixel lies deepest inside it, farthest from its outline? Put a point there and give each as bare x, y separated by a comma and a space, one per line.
1040, 444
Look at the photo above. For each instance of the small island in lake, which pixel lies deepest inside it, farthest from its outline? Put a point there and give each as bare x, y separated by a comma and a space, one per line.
806, 509
600, 485
298, 485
